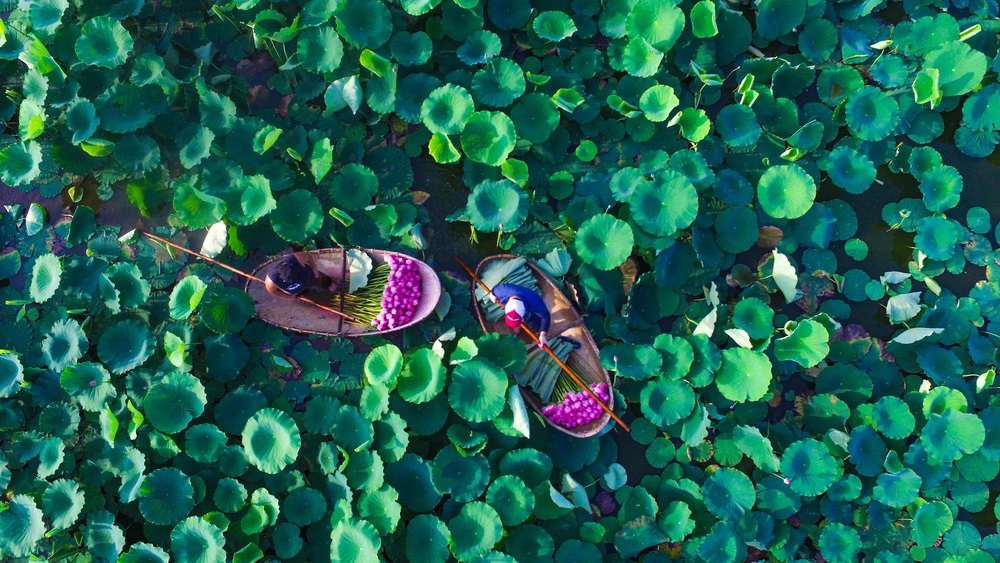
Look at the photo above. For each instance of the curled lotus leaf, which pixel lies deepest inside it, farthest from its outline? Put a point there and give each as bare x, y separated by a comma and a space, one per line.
11, 375
488, 137
63, 502
21, 526
90, 384
271, 440
355, 541
65, 343
45, 277
807, 344
104, 42
960, 67
447, 109
553, 26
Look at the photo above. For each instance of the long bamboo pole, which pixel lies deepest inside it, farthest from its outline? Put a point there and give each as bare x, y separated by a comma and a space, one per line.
241, 272
576, 379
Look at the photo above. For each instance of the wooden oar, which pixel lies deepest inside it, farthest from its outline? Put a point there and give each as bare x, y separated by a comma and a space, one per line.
241, 272
576, 379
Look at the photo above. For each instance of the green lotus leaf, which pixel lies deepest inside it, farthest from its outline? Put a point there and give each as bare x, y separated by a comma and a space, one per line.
137, 153
46, 15
926, 87
255, 202
940, 364
658, 102
479, 47
506, 351
930, 521
411, 476
422, 377
374, 402
133, 290
65, 343
809, 467
737, 229
677, 353
287, 540
442, 149
381, 509
81, 119
951, 435
195, 143
553, 26
225, 356
464, 477
867, 451
365, 471
10, 263
488, 137
640, 59
634, 362
62, 503
204, 443
694, 124
419, 7
892, 417
195, 208
497, 206
171, 404
754, 445
320, 49
102, 537
665, 402
960, 67
658, 23
498, 83
604, 241
897, 489
21, 526
383, 365
411, 49
166, 496
90, 384
355, 541
411, 93
126, 345
703, 24
298, 216
745, 375
512, 499
871, 114
227, 310
351, 430
364, 23
977, 144
354, 187
186, 296
738, 126
427, 539
786, 191
271, 440
474, 531
45, 277
303, 506
937, 237
807, 345
20, 163
144, 553
59, 419
535, 117
850, 170
196, 539
941, 187
229, 495
665, 205
728, 494
104, 42
839, 543
447, 110
778, 17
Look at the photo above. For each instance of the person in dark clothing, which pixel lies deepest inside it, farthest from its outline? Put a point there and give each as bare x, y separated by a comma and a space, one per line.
293, 275
524, 305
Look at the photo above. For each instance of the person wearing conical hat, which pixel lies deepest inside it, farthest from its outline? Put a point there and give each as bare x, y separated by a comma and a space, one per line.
521, 304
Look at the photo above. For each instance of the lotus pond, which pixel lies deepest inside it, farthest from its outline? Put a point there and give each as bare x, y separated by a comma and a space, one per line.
714, 181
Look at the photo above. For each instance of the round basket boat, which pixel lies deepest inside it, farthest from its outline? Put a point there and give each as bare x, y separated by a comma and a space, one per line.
566, 321
302, 317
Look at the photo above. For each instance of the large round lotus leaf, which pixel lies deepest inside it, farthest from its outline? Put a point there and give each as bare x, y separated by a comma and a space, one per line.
786, 191
411, 49
103, 42
535, 117
419, 7
531, 465
512, 499
640, 59
90, 384
941, 187
422, 377
604, 241
381, 509
229, 495
755, 317
497, 205
186, 296
818, 40
737, 229
807, 345
553, 26
64, 345
133, 291
287, 540
892, 417
227, 310
144, 553
354, 187
196, 539
81, 119
303, 506
659, 23
355, 541
320, 49
850, 170
871, 114
488, 137
936, 237
867, 451
463, 477
960, 67
204, 442
297, 217
665, 402
20, 163
728, 494
62, 503
677, 353
59, 419
479, 47
930, 521
235, 408
475, 530
447, 110
411, 476
745, 375
839, 543
952, 435
140, 153
971, 142
778, 17
365, 471
897, 489
21, 526
809, 467
364, 23
166, 496
271, 440
634, 362
498, 83
411, 93
374, 402
45, 277
658, 102
665, 205
383, 365
427, 539
171, 404
478, 390
126, 345
505, 350
738, 126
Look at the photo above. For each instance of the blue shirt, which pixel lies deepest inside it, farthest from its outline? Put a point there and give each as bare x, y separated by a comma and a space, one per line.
533, 303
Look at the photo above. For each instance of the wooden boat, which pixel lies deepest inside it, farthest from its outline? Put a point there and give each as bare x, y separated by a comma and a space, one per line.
566, 321
302, 317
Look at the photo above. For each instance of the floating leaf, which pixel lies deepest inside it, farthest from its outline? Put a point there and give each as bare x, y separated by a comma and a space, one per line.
497, 206
227, 310
20, 163
21, 526
186, 296
604, 241
62, 503
666, 402
195, 539
498, 83
744, 375
90, 384
320, 49
909, 336
807, 345
786, 191
658, 102
125, 345
951, 435
171, 404
65, 343
871, 114
447, 110
477, 390
728, 493
422, 377
658, 23
930, 521
45, 277
166, 496
475, 530
809, 467
103, 42
488, 137
665, 205
298, 216
271, 440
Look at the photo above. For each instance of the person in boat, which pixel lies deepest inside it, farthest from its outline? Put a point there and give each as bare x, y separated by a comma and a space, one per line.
521, 304
294, 274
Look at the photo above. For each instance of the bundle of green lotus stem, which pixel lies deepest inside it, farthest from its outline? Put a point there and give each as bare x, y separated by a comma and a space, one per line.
366, 303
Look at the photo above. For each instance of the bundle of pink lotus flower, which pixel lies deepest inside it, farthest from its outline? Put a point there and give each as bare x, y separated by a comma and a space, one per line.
577, 407
401, 295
